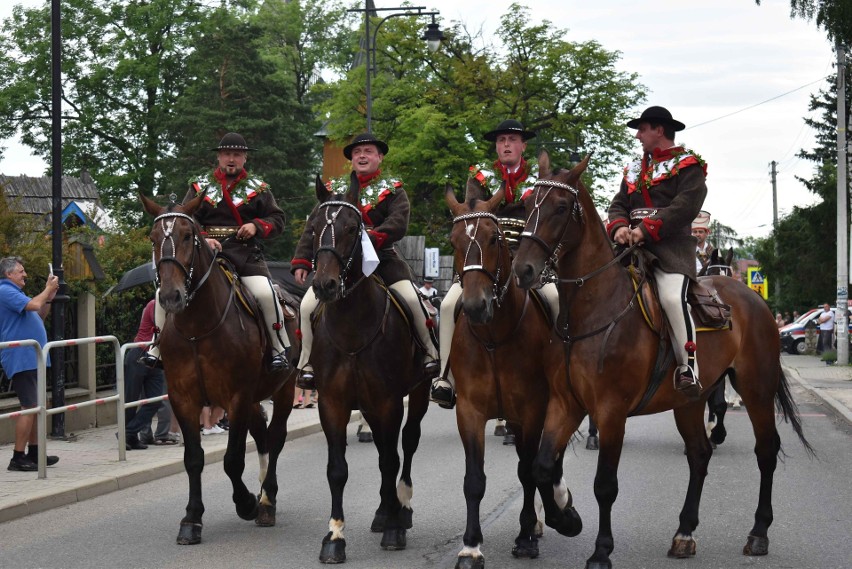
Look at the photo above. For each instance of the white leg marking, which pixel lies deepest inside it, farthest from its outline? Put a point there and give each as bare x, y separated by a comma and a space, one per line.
710, 426
365, 427
539, 515
561, 494
404, 492
470, 552
264, 499
263, 461
336, 528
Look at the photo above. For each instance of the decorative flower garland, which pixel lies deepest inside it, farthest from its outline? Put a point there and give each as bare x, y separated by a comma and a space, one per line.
639, 181
243, 191
371, 194
491, 180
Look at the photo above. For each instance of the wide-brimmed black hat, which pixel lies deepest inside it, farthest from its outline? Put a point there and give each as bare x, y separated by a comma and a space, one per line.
509, 126
428, 280
232, 141
364, 138
659, 115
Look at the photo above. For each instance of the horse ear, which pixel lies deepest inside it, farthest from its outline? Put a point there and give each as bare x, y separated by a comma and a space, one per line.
192, 205
322, 190
354, 189
729, 257
544, 168
153, 208
474, 190
581, 167
450, 197
497, 198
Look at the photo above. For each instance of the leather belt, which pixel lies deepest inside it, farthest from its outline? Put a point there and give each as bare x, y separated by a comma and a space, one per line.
220, 232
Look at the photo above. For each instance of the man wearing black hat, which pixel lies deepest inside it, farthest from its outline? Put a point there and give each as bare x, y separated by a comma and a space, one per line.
660, 196
237, 212
511, 168
385, 204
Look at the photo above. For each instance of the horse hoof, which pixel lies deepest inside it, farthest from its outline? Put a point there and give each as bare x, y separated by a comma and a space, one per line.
718, 434
682, 547
333, 550
378, 524
393, 539
468, 562
525, 547
599, 564
509, 439
570, 524
756, 545
592, 443
189, 534
265, 516
365, 437
405, 517
248, 511
500, 431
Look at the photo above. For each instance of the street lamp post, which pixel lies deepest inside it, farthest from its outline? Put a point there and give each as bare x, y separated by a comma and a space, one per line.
433, 36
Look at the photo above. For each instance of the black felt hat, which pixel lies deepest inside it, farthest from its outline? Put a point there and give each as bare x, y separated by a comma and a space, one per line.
232, 141
364, 138
659, 115
509, 126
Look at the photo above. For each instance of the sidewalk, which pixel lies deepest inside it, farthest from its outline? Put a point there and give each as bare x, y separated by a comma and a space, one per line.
89, 465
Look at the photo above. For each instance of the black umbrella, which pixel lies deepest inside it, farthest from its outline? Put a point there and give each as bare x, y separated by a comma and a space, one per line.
141, 275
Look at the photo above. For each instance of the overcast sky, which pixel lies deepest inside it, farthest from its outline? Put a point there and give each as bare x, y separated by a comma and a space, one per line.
703, 60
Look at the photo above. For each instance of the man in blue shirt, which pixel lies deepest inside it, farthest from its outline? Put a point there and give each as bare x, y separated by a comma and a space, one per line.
22, 318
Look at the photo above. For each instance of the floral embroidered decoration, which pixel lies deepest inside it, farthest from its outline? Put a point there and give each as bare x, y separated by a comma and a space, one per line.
243, 191
372, 194
640, 180
491, 179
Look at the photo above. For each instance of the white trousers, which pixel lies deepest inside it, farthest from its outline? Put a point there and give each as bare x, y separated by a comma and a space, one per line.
406, 291
448, 324
672, 288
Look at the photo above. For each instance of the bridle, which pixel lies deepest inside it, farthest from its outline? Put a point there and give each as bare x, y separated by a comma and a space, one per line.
328, 232
724, 270
167, 221
467, 266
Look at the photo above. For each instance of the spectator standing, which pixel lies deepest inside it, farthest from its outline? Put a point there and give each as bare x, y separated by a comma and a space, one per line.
22, 318
779, 321
428, 290
826, 329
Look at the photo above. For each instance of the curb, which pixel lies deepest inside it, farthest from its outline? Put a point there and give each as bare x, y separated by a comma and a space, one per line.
838, 407
104, 485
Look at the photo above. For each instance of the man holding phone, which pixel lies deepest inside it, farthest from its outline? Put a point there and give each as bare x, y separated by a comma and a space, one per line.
22, 318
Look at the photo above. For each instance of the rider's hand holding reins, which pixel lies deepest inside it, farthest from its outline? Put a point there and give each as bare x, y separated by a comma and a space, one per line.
214, 244
246, 231
626, 236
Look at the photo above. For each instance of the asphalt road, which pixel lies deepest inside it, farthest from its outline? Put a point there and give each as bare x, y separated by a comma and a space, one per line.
137, 527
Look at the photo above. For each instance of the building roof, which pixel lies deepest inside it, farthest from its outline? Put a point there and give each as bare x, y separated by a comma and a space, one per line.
35, 195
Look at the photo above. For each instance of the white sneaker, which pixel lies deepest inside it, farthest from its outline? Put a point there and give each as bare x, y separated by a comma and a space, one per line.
214, 430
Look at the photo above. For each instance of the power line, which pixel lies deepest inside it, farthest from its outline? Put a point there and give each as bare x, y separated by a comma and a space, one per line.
758, 104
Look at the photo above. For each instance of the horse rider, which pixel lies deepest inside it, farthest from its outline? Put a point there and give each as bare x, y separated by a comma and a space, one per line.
659, 197
701, 230
385, 210
510, 141
238, 211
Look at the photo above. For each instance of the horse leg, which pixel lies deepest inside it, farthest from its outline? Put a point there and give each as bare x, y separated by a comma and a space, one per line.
240, 414
526, 445
690, 424
593, 442
418, 404
718, 407
606, 488
193, 461
387, 419
276, 435
471, 425
562, 419
334, 416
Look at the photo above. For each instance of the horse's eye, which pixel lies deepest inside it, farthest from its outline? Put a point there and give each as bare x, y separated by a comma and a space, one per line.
495, 239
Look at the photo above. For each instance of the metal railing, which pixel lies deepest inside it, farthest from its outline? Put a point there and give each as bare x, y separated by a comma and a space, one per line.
41, 408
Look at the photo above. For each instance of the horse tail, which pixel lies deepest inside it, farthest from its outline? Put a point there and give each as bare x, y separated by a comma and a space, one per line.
789, 410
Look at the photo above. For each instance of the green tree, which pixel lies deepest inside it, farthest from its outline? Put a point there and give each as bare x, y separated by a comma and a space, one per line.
123, 67
833, 16
433, 109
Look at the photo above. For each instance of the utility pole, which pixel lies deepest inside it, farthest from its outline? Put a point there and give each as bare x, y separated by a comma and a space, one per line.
842, 221
775, 223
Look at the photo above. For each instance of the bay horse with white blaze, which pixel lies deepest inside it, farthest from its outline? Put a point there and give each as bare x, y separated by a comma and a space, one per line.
506, 358
612, 352
213, 352
364, 357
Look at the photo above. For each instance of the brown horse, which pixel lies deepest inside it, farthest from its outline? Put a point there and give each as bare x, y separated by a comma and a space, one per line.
213, 352
505, 355
612, 353
365, 357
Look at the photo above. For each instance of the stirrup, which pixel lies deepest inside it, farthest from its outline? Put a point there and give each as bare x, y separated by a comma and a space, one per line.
279, 362
685, 382
443, 395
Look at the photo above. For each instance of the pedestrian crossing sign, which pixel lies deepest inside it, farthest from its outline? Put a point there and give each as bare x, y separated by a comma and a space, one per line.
757, 282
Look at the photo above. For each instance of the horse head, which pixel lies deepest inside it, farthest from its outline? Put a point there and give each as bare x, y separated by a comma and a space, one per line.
177, 251
555, 219
481, 254
337, 227
717, 266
